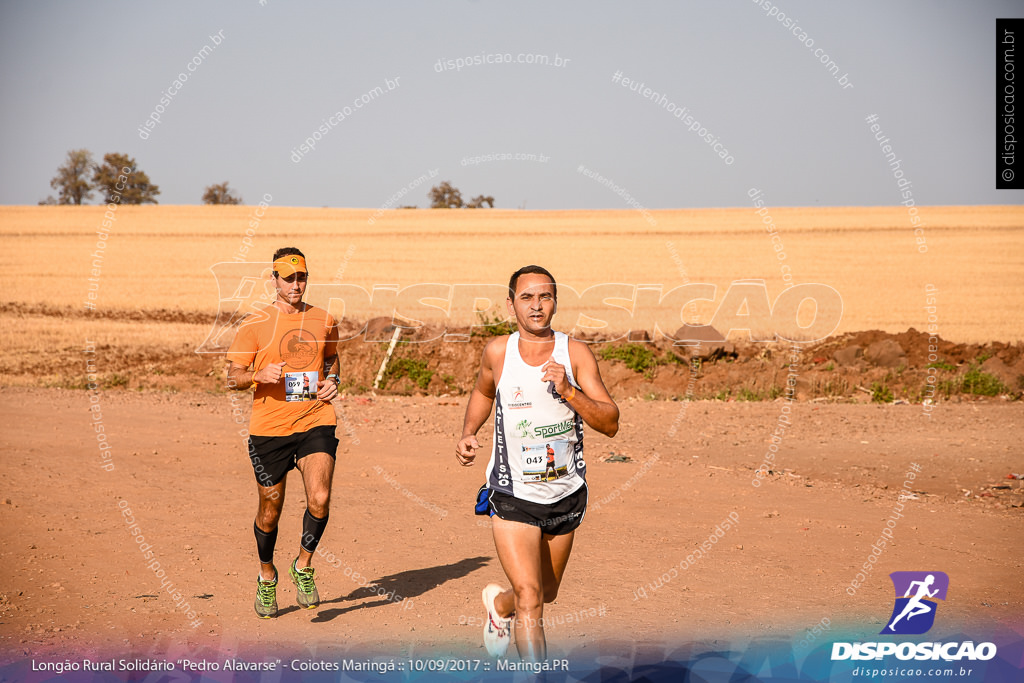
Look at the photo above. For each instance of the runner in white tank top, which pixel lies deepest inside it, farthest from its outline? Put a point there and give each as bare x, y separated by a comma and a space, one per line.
530, 418
546, 386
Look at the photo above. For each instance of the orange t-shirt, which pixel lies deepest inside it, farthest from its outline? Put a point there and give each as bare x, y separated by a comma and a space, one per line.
302, 341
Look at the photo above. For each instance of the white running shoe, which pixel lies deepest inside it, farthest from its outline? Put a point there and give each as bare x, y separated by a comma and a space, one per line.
497, 630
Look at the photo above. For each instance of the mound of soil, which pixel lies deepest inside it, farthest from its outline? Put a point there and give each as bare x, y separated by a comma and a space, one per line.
860, 367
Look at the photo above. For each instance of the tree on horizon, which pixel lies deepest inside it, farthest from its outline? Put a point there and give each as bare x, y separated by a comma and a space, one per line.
220, 193
72, 179
135, 189
479, 201
447, 196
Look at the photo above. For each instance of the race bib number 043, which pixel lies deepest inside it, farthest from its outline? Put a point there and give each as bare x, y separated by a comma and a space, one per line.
546, 461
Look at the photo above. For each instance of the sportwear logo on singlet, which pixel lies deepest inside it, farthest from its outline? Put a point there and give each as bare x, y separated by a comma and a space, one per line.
545, 431
523, 429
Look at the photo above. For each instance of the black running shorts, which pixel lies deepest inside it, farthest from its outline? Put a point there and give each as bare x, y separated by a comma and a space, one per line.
273, 456
554, 519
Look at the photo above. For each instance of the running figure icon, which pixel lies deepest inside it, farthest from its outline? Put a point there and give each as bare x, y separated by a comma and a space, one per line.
915, 605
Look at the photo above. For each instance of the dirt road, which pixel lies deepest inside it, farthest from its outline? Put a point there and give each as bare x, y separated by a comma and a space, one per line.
403, 559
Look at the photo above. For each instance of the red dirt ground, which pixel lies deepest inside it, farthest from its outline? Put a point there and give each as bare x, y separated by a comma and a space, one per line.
75, 582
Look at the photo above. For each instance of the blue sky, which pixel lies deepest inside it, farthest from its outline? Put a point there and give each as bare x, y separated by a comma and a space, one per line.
90, 74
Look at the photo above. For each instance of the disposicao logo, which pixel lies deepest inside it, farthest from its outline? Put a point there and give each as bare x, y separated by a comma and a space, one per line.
913, 613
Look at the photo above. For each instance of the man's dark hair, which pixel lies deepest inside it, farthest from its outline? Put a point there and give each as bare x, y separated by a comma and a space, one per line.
528, 270
285, 251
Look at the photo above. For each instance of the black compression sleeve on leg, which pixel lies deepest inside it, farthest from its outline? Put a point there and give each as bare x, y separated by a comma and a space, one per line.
265, 542
312, 530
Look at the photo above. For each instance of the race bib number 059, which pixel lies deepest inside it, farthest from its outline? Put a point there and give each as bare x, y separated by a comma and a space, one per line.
300, 386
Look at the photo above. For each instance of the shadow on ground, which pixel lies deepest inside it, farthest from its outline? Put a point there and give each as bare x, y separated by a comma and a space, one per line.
401, 586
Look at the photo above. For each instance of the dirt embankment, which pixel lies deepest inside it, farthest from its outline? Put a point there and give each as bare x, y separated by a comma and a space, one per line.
855, 367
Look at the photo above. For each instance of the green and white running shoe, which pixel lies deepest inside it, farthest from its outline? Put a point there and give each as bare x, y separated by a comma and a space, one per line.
266, 598
307, 595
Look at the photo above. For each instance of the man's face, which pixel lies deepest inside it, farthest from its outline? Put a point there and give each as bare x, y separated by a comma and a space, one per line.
534, 303
290, 289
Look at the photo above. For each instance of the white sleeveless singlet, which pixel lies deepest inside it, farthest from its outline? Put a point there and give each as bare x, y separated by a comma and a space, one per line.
537, 453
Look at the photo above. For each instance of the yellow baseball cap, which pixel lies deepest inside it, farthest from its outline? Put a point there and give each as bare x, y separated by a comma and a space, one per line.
289, 264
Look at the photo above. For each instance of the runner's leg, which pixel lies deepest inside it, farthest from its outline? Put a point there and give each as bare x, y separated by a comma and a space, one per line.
519, 551
271, 502
317, 472
554, 555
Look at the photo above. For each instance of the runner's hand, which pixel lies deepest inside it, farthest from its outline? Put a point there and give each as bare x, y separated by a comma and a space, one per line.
326, 390
270, 374
553, 372
465, 451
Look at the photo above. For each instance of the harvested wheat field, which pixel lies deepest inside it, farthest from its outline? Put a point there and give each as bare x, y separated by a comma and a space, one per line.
878, 431
159, 257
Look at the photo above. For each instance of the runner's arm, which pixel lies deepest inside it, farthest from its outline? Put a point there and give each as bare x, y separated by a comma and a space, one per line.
591, 400
241, 355
241, 378
327, 389
481, 400
331, 364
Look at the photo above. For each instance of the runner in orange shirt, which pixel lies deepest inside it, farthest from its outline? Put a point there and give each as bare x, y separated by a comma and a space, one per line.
288, 344
550, 467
